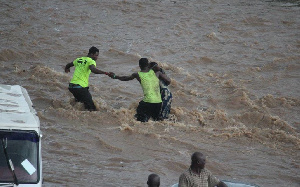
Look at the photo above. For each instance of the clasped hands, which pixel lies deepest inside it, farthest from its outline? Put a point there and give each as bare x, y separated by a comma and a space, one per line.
111, 75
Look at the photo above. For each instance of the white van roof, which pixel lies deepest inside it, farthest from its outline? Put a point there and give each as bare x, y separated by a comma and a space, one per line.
16, 111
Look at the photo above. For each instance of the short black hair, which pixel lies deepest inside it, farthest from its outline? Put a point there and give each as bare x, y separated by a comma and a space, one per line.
153, 180
152, 64
143, 62
93, 50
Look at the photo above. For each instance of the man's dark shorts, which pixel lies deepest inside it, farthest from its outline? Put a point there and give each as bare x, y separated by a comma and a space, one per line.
147, 110
82, 95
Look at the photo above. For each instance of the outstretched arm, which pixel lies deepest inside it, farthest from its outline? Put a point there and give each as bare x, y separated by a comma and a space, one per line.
97, 71
67, 68
125, 78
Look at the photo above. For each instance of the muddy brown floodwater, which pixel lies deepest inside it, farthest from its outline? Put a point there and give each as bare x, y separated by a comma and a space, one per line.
235, 76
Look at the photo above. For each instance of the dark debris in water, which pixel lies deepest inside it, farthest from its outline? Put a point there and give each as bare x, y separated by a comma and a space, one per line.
287, 3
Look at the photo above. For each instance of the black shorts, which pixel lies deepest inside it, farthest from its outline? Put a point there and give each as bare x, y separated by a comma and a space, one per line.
82, 95
145, 111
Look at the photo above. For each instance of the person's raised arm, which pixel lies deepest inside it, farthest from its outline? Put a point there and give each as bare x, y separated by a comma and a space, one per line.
163, 77
67, 68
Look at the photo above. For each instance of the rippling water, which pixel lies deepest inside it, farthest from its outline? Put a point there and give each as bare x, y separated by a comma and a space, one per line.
235, 81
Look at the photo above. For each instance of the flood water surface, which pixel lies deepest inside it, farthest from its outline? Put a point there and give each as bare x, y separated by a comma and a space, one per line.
235, 70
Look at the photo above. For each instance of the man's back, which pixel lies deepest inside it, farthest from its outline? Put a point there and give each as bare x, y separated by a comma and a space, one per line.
82, 71
150, 86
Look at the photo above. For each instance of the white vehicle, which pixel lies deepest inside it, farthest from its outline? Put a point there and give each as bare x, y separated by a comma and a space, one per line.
20, 139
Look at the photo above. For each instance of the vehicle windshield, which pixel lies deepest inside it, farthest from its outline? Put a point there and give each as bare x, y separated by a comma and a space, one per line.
22, 148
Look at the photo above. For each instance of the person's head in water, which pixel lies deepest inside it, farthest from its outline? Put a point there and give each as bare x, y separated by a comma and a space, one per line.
154, 66
198, 161
143, 63
93, 53
153, 180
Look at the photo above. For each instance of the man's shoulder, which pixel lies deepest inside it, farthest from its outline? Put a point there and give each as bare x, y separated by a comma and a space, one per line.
78, 58
85, 58
186, 173
89, 59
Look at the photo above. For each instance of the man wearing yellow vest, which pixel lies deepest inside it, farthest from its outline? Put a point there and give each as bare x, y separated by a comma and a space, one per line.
79, 84
150, 106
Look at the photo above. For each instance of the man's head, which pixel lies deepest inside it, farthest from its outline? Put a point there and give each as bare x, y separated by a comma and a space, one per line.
198, 160
143, 63
153, 180
93, 53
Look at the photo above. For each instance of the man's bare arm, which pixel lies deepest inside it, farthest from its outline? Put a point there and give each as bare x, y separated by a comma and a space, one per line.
97, 71
124, 78
164, 78
67, 68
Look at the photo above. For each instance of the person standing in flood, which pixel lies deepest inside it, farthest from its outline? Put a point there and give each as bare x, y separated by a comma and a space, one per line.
150, 106
79, 84
166, 94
